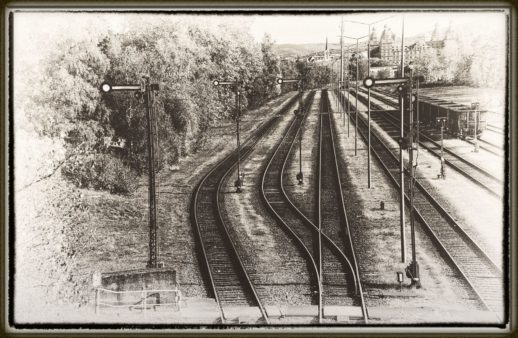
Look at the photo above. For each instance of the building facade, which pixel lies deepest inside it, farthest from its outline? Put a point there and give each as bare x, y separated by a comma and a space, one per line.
387, 49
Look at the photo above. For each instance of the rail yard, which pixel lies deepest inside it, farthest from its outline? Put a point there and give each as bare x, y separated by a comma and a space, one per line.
323, 248
193, 177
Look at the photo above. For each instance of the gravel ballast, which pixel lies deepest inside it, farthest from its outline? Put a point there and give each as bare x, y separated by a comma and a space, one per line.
443, 297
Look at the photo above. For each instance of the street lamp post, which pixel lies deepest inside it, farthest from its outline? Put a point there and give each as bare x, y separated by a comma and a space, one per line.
148, 90
235, 86
300, 175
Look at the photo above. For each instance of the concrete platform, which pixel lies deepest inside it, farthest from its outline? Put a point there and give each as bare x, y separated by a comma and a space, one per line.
342, 311
409, 315
242, 314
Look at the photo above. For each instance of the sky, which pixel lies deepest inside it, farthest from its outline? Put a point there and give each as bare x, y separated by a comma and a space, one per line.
35, 31
315, 28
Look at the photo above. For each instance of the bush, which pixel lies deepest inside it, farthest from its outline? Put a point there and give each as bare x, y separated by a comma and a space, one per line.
100, 172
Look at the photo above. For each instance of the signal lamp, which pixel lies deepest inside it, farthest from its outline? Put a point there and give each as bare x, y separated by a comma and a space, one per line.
106, 87
215, 82
368, 82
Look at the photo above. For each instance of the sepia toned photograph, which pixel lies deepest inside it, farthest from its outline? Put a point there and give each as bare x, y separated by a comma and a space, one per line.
258, 170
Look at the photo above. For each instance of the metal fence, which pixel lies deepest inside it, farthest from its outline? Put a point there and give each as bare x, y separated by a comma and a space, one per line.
142, 300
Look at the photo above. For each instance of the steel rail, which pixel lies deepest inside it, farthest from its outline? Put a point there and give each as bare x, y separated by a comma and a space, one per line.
484, 288
296, 122
227, 161
341, 203
490, 187
393, 101
310, 225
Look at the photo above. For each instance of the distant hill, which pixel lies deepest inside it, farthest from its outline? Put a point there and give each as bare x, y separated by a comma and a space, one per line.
294, 50
288, 49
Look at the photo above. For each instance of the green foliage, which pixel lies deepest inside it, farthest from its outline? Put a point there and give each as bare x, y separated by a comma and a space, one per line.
101, 172
376, 62
183, 58
362, 68
66, 103
384, 74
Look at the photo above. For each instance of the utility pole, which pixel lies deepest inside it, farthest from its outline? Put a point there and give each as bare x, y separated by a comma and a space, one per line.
356, 102
413, 269
340, 98
369, 110
368, 96
238, 182
348, 95
149, 102
357, 55
403, 84
148, 90
401, 159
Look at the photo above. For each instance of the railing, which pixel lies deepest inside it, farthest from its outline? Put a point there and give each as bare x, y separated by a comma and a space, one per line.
138, 299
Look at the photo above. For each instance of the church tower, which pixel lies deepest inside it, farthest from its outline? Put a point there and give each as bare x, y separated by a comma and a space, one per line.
326, 52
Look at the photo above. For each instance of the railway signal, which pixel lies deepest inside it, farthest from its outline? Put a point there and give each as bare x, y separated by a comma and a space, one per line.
475, 106
148, 90
413, 268
298, 81
368, 82
238, 183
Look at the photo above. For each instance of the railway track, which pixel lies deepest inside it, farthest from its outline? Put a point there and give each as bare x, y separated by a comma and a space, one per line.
495, 129
274, 197
391, 99
331, 272
480, 273
341, 285
224, 272
476, 174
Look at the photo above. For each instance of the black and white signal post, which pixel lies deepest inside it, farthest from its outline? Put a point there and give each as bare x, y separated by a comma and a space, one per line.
238, 183
147, 90
404, 88
300, 176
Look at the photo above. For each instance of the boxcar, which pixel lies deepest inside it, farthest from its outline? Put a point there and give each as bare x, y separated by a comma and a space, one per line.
460, 119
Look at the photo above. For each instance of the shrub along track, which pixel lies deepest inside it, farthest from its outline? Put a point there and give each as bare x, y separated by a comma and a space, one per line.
223, 270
